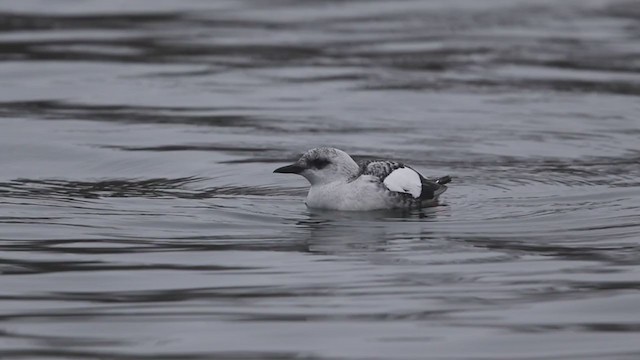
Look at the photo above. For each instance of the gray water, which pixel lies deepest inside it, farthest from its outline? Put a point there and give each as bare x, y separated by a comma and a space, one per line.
140, 218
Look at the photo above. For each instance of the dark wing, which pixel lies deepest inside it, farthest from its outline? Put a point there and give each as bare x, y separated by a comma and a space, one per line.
381, 169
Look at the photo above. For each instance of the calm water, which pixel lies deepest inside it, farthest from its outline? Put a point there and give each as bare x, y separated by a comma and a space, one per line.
139, 217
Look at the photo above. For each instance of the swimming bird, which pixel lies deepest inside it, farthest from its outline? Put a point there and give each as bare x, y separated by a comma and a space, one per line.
340, 183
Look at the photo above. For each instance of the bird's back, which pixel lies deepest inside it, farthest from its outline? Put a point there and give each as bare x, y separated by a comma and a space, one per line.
403, 182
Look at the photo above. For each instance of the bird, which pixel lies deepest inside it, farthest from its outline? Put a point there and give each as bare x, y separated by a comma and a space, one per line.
340, 183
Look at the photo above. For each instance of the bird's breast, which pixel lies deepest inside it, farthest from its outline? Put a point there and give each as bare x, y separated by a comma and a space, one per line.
360, 194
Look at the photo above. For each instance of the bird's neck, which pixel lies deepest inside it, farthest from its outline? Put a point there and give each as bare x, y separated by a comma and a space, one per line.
350, 169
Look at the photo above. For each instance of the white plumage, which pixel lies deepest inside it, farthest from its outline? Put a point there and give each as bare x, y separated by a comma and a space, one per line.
339, 183
404, 180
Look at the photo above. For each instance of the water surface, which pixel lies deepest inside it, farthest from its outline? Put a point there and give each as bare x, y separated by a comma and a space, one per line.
139, 216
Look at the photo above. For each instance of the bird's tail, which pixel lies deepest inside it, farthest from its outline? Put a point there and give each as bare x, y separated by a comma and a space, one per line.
442, 188
443, 180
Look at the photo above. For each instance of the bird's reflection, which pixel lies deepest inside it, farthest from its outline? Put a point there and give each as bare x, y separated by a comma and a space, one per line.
332, 232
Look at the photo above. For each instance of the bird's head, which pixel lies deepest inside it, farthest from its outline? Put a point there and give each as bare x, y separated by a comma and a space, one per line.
322, 166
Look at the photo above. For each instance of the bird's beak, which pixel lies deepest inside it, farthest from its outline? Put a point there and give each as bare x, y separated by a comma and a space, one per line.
290, 169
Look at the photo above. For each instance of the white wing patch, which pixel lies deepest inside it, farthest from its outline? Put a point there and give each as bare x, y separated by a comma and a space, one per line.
404, 180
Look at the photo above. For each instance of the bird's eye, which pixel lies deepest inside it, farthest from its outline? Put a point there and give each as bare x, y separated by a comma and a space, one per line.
319, 163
